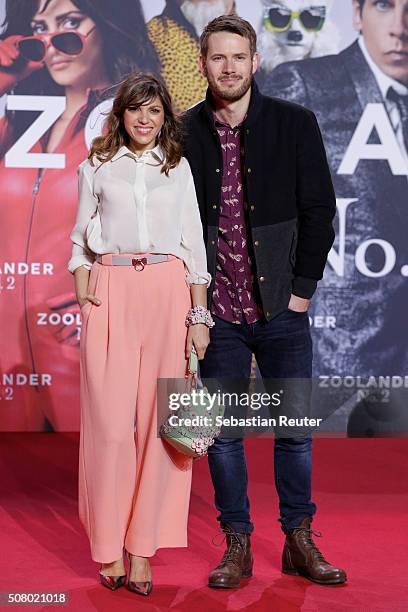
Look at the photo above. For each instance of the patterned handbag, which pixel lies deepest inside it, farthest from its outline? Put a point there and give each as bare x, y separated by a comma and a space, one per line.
194, 440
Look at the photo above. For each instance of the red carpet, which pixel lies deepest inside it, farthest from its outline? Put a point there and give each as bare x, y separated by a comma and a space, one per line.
360, 487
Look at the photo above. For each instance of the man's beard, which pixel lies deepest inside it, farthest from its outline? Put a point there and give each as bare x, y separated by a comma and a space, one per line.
230, 95
201, 14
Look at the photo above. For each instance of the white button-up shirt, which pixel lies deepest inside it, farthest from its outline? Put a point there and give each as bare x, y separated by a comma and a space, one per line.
126, 205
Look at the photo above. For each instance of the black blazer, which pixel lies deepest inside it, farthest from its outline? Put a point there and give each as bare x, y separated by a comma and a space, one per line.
369, 310
288, 188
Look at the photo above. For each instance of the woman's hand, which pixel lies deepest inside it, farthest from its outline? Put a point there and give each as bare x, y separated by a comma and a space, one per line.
89, 298
81, 275
11, 70
9, 54
199, 335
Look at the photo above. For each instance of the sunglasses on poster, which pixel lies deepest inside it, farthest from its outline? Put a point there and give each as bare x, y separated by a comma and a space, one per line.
279, 19
33, 48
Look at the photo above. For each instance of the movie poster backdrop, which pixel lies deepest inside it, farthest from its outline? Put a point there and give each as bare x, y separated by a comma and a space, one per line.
60, 63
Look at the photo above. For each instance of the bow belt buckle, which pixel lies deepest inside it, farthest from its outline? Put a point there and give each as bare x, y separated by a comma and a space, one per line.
137, 262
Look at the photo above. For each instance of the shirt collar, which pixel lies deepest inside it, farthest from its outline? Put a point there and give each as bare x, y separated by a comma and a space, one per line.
219, 123
149, 156
384, 81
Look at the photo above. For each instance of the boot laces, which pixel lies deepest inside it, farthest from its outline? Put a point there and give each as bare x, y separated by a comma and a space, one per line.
308, 532
234, 545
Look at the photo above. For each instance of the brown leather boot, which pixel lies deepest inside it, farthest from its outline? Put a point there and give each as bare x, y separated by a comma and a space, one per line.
301, 557
236, 563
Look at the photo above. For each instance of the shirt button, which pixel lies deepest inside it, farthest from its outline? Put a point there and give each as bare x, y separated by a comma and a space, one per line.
235, 226
249, 170
268, 314
247, 131
212, 241
214, 206
217, 169
256, 242
262, 278
252, 207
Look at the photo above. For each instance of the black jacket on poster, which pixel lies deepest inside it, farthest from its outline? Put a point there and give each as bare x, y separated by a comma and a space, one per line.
287, 187
369, 310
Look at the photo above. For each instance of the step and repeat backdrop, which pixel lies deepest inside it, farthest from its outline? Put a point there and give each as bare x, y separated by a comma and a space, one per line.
60, 61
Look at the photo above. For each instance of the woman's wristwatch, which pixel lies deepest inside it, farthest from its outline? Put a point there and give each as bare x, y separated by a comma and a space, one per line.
199, 314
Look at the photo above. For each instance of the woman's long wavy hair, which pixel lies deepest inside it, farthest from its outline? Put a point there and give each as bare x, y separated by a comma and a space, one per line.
137, 89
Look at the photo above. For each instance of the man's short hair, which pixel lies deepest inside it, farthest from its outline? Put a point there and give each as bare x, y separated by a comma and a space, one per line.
228, 23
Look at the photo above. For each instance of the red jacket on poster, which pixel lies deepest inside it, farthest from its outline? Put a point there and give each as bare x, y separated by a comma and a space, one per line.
39, 346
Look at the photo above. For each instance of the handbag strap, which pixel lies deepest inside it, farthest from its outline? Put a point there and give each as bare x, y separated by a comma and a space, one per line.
193, 362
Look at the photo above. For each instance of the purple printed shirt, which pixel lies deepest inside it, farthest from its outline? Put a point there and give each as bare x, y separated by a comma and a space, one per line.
233, 297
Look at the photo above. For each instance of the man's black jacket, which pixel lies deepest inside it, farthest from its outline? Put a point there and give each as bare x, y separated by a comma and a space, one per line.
288, 189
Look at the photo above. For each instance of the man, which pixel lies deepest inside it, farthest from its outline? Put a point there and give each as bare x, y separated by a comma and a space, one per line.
175, 34
360, 97
267, 204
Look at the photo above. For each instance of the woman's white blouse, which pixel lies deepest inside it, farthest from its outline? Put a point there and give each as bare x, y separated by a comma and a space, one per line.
126, 205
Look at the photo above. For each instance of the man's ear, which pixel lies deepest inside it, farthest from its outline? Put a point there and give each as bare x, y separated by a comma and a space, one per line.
202, 65
357, 19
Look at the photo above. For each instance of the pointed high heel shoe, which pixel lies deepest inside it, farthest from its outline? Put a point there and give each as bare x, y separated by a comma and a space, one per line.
111, 582
140, 588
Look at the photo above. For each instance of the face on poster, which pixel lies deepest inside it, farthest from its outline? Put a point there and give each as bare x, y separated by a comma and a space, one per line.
53, 53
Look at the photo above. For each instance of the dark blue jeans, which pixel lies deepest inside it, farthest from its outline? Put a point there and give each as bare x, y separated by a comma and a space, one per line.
283, 349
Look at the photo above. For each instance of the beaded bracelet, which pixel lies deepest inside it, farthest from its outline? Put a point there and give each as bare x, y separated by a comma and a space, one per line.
199, 314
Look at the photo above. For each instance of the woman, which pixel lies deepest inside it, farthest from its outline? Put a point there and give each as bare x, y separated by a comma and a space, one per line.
39, 312
139, 232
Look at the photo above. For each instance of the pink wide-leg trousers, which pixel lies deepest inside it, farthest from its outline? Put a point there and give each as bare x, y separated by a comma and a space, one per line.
134, 490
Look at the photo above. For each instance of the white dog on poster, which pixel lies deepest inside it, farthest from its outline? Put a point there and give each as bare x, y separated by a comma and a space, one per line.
294, 30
